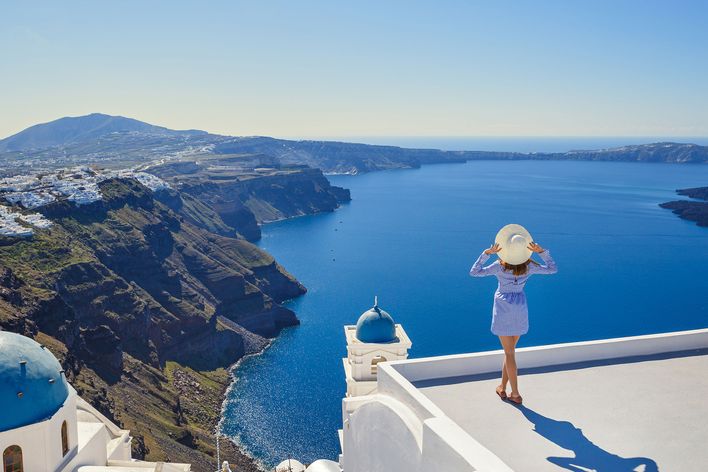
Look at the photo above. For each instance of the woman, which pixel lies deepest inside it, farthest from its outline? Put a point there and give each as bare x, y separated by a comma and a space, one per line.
510, 317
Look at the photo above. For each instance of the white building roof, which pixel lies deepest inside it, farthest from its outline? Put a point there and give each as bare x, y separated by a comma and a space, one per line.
612, 404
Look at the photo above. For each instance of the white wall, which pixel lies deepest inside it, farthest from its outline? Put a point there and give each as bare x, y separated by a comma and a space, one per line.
382, 434
41, 442
92, 448
399, 429
378, 437
555, 354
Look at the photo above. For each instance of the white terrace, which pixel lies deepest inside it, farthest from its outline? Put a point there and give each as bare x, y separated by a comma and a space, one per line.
626, 404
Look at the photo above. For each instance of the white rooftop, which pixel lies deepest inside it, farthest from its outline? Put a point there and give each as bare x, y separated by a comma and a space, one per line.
627, 404
614, 416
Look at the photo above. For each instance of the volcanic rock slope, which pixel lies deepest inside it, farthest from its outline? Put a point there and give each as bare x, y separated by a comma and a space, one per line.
147, 299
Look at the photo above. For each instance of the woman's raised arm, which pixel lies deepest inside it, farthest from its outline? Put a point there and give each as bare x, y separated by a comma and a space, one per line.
478, 269
548, 267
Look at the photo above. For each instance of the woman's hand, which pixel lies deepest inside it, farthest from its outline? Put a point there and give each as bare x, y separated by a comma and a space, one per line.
536, 248
493, 249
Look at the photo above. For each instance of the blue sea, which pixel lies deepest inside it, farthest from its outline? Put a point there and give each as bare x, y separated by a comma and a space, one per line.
626, 267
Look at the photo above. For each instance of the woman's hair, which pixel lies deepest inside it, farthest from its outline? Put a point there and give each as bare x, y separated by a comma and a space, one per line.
518, 269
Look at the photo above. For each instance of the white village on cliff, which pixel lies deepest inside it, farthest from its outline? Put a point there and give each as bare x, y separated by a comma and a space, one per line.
78, 185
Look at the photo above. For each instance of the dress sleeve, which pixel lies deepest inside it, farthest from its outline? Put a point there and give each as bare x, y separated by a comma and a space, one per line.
548, 267
478, 269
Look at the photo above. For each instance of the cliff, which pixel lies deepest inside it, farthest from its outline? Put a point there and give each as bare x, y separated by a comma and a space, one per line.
700, 193
691, 210
247, 190
147, 304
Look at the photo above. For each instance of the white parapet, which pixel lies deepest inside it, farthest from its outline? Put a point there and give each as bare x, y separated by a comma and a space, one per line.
404, 425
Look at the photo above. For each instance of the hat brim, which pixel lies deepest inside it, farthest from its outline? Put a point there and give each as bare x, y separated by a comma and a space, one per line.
513, 254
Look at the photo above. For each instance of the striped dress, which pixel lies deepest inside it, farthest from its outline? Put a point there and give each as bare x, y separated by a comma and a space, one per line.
510, 314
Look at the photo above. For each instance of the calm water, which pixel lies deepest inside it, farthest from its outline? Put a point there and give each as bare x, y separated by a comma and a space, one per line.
627, 267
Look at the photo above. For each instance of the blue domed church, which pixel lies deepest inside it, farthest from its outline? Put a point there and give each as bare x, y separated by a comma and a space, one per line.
375, 338
46, 427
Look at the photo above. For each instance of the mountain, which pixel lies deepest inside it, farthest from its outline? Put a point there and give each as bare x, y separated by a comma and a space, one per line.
69, 130
114, 141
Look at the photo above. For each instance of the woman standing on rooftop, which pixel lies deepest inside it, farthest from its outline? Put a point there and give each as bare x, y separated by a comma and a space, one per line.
510, 315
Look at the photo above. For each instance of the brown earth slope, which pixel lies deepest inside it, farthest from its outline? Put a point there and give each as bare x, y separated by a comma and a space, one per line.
147, 299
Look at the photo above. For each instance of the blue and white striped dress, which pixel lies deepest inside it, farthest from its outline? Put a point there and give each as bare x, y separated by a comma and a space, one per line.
510, 315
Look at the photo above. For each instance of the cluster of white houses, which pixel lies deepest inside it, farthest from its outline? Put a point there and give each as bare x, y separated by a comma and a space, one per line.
14, 224
78, 185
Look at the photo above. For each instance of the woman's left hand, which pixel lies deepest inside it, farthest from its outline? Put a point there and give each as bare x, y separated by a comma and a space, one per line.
536, 248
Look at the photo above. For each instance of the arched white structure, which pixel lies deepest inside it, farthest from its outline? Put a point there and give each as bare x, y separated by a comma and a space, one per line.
323, 465
400, 439
54, 428
290, 465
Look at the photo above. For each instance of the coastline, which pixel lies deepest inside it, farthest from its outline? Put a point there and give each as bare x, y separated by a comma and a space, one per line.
243, 452
235, 442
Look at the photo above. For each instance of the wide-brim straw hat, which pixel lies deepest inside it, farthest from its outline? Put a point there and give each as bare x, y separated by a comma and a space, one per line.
514, 241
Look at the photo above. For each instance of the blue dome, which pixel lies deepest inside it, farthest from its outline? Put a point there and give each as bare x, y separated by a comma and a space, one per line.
32, 388
375, 326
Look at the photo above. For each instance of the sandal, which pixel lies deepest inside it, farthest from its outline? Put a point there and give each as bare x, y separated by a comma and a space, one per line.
515, 399
501, 393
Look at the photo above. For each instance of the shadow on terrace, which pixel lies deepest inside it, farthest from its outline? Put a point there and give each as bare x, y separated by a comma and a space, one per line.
588, 455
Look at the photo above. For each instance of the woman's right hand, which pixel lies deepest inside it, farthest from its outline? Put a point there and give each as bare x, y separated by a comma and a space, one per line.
493, 249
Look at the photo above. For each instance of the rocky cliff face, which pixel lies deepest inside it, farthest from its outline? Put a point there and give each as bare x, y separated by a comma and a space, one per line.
143, 295
247, 190
691, 210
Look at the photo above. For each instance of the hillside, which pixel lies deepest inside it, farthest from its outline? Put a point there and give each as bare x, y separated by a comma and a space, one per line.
69, 130
113, 141
247, 190
147, 299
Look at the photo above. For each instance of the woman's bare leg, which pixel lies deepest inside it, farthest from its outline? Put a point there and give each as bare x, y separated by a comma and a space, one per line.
505, 376
509, 370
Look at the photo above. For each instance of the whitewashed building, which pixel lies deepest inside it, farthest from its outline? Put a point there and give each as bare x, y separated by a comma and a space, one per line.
46, 427
623, 404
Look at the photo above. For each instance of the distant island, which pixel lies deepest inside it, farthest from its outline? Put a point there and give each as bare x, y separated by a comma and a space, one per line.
115, 141
691, 210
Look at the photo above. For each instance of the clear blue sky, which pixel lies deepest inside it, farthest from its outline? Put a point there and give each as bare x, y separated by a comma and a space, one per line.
334, 68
